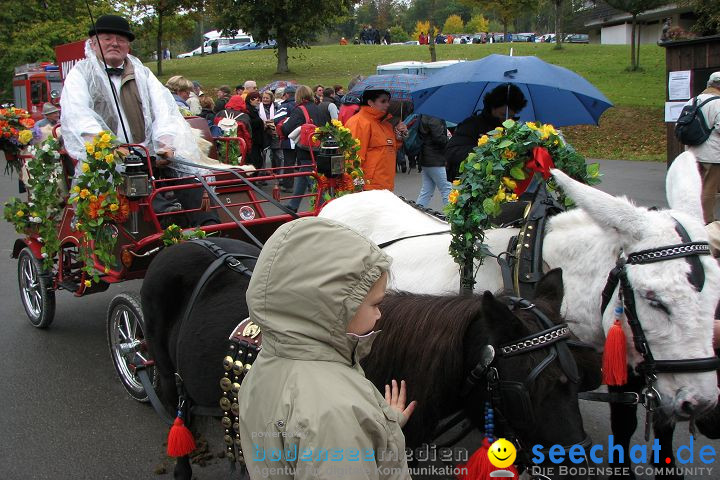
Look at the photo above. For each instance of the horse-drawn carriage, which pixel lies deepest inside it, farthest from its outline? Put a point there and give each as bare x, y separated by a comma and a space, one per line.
234, 206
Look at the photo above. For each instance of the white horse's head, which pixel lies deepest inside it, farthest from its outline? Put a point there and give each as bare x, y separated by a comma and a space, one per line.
677, 318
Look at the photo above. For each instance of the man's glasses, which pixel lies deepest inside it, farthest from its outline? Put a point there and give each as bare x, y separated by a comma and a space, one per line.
120, 40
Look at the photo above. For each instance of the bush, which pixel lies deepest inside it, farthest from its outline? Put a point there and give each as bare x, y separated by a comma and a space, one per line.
398, 34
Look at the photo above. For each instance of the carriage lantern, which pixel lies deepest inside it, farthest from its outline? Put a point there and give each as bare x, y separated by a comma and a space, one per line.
136, 182
330, 161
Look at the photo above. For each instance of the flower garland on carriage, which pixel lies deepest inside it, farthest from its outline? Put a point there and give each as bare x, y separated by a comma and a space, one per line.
500, 169
353, 178
15, 134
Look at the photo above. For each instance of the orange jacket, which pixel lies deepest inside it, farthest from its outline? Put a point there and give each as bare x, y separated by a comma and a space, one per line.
378, 147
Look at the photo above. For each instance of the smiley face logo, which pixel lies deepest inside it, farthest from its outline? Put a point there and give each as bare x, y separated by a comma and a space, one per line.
502, 453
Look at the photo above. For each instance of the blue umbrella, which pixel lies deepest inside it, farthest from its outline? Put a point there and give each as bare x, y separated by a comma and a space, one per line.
398, 84
555, 94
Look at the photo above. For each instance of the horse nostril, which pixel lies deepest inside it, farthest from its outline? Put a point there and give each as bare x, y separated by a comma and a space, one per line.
687, 407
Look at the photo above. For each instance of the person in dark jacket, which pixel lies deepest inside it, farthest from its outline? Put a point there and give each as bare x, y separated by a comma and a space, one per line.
257, 129
223, 95
433, 134
503, 102
304, 101
283, 112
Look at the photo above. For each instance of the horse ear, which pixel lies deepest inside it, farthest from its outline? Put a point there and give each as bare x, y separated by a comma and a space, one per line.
550, 289
496, 313
606, 210
683, 185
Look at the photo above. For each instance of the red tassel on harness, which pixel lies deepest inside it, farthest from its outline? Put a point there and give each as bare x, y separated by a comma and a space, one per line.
615, 354
479, 466
180, 439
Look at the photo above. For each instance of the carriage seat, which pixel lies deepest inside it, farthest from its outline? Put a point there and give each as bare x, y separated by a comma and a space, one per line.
201, 124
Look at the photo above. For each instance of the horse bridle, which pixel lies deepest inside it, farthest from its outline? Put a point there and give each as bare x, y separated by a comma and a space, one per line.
650, 367
511, 399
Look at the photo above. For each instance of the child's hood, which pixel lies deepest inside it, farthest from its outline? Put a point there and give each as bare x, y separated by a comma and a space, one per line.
308, 282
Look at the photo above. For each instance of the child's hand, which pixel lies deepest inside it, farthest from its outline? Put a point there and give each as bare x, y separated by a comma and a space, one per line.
396, 400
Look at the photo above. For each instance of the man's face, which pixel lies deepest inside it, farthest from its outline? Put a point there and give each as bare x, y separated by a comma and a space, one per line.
53, 117
220, 94
252, 87
115, 47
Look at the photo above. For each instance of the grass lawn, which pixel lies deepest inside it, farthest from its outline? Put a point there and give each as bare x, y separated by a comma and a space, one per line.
634, 129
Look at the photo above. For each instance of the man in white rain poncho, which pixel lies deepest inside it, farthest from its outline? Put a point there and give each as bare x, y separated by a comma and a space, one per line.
149, 113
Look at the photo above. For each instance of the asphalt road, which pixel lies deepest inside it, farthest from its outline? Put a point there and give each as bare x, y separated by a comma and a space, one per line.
65, 415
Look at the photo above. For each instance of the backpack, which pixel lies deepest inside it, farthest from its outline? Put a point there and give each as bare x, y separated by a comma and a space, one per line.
307, 130
691, 127
413, 141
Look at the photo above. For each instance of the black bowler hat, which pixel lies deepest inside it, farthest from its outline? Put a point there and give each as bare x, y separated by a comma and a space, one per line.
112, 24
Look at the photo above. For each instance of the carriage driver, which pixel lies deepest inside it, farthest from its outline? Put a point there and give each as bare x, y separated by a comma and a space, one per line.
147, 108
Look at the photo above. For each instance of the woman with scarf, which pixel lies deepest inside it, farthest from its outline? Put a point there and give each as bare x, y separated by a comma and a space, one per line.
257, 129
270, 140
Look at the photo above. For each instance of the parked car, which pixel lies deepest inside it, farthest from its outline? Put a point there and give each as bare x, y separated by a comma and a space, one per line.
254, 46
577, 38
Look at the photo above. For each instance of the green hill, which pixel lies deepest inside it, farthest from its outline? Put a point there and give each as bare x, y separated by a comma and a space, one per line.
634, 129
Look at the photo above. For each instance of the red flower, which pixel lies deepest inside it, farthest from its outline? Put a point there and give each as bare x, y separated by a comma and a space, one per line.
123, 212
27, 122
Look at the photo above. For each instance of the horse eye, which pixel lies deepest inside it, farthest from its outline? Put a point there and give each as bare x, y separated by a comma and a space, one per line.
657, 304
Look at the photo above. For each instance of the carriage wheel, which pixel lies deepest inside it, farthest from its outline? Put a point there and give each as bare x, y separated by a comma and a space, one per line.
126, 339
36, 294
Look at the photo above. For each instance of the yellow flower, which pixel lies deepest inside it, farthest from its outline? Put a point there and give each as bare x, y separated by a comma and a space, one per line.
90, 148
84, 193
317, 129
113, 207
76, 189
509, 182
512, 197
550, 129
107, 270
98, 155
93, 198
85, 167
498, 132
20, 213
25, 136
483, 140
532, 125
88, 283
509, 154
109, 158
337, 123
453, 196
500, 195
105, 138
456, 182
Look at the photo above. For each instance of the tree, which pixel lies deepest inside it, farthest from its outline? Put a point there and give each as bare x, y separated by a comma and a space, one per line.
477, 24
421, 27
398, 34
30, 30
159, 11
453, 24
634, 8
505, 10
708, 16
292, 23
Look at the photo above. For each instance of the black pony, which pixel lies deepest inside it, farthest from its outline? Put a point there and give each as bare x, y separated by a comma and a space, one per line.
432, 342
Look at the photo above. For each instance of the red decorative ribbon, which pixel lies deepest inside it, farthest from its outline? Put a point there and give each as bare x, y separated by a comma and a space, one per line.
541, 162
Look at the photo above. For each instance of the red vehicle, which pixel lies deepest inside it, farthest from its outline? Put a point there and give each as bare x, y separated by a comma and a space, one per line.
233, 196
35, 84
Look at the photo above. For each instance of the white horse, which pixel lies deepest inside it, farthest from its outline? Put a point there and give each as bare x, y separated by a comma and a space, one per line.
585, 243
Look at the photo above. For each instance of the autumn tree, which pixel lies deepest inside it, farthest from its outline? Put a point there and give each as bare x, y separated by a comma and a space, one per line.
291, 23
421, 27
477, 24
506, 11
708, 16
634, 8
453, 24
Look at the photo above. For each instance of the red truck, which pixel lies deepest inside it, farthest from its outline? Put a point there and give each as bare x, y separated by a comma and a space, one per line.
34, 84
